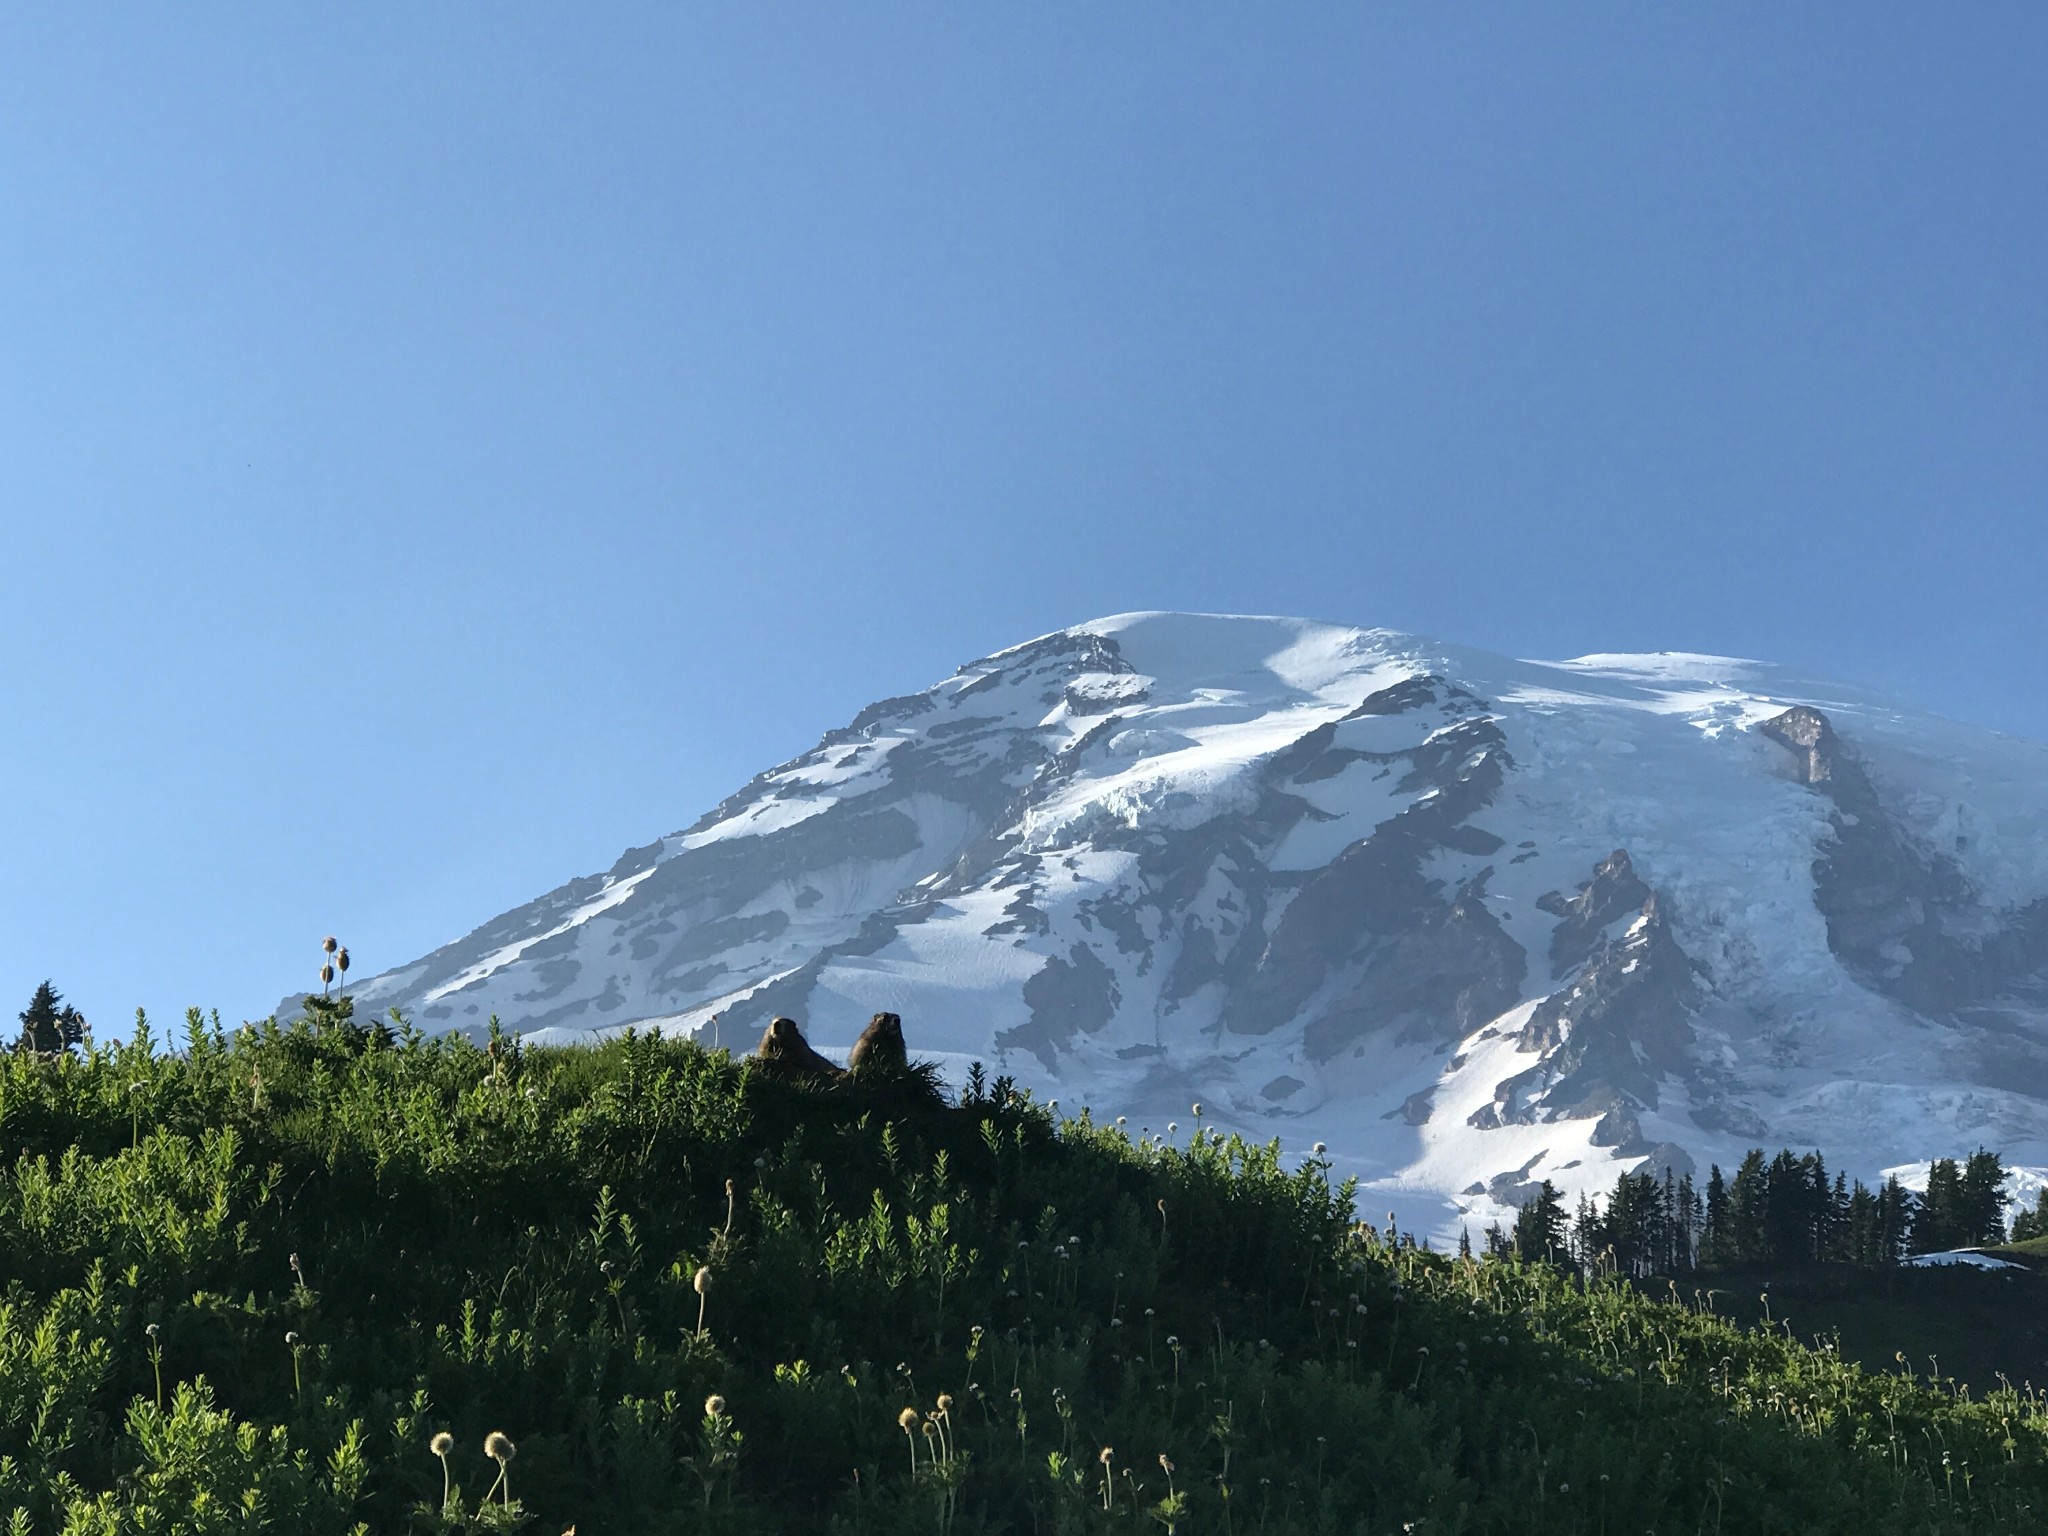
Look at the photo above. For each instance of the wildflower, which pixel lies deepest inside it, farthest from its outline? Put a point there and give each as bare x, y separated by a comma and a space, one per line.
152, 1330
441, 1445
701, 1281
1165, 1465
1106, 1456
945, 1402
1321, 1147
1198, 1109
907, 1419
291, 1339
714, 1407
499, 1447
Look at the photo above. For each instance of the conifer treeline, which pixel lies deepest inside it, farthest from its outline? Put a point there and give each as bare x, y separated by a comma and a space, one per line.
1785, 1210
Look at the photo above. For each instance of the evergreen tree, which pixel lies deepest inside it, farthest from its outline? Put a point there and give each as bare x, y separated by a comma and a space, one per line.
1746, 1202
1540, 1227
1686, 1214
1982, 1199
2034, 1223
1941, 1222
49, 1024
1717, 1239
1897, 1212
1862, 1229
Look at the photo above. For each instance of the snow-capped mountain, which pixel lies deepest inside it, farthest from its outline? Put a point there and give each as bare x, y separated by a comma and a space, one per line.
1471, 921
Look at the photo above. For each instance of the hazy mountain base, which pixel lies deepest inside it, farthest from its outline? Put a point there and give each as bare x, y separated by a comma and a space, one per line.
245, 1286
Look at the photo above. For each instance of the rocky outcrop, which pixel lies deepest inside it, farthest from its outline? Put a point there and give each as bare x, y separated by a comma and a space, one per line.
1605, 1042
1614, 892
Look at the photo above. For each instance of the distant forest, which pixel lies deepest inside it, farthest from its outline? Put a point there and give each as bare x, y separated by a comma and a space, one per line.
1781, 1210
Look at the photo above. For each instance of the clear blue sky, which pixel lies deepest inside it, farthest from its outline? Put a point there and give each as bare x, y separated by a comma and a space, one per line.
441, 446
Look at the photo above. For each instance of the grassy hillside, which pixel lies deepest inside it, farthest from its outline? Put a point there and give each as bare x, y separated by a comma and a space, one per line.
246, 1286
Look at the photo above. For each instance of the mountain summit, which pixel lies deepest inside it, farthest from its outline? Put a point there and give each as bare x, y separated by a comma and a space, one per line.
1472, 921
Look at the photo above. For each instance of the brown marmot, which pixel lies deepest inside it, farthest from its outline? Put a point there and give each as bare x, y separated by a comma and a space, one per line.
880, 1046
784, 1051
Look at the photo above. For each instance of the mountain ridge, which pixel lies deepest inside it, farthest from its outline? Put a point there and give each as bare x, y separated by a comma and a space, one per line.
1471, 921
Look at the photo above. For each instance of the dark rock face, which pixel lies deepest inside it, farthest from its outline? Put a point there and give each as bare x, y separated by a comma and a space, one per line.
1371, 930
1901, 915
1614, 892
1443, 976
1077, 995
1623, 1025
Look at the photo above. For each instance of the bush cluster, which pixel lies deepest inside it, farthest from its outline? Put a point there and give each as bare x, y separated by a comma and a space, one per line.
349, 1280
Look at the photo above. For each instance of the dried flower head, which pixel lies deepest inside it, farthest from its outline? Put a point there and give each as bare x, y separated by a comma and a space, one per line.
152, 1330
442, 1443
1321, 1147
907, 1419
714, 1406
329, 944
1107, 1456
1165, 1465
1198, 1109
291, 1339
499, 1447
701, 1281
945, 1402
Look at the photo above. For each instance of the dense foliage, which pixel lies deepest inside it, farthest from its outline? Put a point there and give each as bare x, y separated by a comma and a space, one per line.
251, 1285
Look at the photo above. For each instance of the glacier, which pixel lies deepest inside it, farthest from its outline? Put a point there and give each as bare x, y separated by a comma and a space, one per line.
1470, 921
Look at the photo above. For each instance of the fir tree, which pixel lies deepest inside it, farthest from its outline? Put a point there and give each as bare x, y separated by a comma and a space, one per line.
49, 1024
1717, 1239
1746, 1202
2034, 1223
1941, 1222
1896, 1215
1540, 1227
1982, 1199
